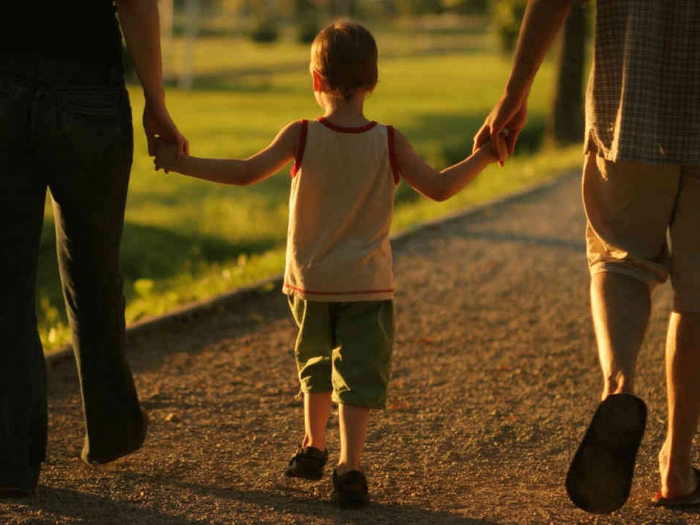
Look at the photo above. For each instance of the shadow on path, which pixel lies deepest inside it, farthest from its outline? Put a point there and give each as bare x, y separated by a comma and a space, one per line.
75, 506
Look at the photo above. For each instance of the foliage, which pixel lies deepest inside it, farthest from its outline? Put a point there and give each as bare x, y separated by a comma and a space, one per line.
506, 17
307, 29
419, 7
468, 7
265, 31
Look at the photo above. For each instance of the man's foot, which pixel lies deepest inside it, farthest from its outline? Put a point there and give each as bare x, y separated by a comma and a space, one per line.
307, 463
350, 489
692, 499
600, 476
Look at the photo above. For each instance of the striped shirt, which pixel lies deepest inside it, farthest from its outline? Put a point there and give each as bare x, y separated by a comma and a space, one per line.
643, 97
340, 208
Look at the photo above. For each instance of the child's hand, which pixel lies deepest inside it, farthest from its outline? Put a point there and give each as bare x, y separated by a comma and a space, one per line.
166, 155
498, 153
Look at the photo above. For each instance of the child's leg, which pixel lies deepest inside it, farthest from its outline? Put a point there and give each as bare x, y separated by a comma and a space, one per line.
353, 431
361, 361
317, 409
361, 365
313, 358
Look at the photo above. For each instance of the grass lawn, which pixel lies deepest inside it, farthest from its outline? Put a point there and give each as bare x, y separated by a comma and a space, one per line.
186, 240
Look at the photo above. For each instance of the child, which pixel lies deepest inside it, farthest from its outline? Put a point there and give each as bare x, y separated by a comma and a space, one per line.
338, 275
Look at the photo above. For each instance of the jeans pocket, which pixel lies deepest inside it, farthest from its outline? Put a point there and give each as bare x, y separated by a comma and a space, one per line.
97, 119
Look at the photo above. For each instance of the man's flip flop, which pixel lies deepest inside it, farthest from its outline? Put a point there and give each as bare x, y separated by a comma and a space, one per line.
600, 476
689, 500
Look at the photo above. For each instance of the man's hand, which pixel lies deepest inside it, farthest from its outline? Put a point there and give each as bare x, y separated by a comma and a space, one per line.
158, 124
506, 120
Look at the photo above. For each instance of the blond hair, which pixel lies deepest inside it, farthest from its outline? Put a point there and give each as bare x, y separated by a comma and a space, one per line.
344, 54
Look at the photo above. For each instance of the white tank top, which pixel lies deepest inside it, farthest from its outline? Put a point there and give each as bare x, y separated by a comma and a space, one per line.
340, 209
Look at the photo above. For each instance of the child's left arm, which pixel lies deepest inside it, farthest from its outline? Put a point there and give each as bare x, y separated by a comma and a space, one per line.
240, 172
442, 185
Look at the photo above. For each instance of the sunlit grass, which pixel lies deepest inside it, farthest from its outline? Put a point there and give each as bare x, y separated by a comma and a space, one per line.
187, 240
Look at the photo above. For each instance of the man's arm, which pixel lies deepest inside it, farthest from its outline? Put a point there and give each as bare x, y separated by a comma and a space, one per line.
542, 21
141, 27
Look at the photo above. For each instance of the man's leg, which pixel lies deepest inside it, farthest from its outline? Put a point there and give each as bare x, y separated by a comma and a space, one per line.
629, 206
683, 342
621, 306
683, 390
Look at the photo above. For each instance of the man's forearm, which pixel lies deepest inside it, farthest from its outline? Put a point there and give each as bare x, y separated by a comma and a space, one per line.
141, 28
542, 21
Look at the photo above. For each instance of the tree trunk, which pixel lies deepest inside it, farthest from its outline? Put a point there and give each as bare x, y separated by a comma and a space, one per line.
566, 122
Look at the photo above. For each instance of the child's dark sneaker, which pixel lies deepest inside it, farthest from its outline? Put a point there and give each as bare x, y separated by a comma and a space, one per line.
307, 463
350, 489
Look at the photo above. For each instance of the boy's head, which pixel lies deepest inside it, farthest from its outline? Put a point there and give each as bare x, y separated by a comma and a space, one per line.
344, 55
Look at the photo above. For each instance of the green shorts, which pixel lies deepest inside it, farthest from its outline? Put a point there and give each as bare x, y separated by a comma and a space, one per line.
345, 348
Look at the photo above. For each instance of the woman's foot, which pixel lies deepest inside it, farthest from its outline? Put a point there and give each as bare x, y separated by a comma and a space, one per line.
21, 486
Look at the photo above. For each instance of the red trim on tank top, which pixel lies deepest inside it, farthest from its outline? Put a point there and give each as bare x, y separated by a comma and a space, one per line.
357, 292
344, 129
302, 146
392, 154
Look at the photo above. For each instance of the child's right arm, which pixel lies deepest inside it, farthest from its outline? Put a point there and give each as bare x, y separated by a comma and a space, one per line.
240, 172
441, 185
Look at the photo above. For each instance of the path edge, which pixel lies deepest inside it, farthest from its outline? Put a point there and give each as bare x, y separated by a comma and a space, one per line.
237, 295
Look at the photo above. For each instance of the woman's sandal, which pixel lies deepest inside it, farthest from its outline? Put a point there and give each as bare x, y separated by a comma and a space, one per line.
307, 463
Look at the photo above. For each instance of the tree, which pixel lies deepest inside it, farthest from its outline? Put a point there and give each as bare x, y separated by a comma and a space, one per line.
506, 19
565, 124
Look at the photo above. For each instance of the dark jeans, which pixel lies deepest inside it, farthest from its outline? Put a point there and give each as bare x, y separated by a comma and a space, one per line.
66, 127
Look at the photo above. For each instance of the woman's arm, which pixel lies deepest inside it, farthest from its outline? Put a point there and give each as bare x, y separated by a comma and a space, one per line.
442, 185
141, 27
239, 172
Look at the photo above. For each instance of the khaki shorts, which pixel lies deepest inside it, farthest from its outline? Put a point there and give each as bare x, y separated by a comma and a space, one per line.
345, 348
643, 220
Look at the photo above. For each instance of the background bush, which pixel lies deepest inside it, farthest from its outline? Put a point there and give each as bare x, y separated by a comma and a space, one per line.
265, 31
307, 29
506, 16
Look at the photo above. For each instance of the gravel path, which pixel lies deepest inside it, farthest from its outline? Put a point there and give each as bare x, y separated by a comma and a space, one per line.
495, 379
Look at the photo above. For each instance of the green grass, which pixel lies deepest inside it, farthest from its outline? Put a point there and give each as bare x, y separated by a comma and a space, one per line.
187, 240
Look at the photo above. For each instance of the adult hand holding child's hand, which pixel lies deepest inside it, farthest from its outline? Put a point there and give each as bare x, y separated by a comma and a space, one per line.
505, 121
166, 155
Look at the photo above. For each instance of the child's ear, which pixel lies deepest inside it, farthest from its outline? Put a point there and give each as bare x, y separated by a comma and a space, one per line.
319, 83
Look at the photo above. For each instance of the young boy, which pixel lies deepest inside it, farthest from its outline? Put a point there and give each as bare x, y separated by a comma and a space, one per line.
339, 274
